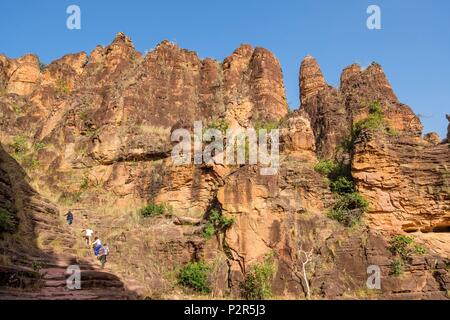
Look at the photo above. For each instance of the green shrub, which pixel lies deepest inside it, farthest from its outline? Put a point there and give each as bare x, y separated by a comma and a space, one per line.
195, 275
396, 268
400, 245
374, 121
216, 223
38, 146
325, 167
84, 185
153, 210
19, 145
258, 281
349, 209
418, 249
342, 185
30, 162
6, 221
392, 132
209, 231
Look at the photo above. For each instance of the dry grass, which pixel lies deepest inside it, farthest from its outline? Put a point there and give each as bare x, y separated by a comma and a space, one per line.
154, 130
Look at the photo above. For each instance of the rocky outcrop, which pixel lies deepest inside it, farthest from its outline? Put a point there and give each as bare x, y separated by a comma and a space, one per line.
333, 112
406, 181
401, 174
432, 138
19, 76
325, 108
94, 132
311, 79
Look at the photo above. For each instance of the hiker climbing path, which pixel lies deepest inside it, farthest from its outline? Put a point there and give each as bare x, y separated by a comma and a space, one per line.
44, 251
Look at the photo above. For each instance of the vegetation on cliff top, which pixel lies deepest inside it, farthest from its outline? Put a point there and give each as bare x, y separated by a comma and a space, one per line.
374, 121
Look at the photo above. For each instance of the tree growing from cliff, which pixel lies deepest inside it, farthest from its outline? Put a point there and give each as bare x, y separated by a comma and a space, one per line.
305, 257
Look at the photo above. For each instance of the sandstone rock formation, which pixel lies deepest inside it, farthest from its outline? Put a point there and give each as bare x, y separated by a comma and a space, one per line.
406, 181
93, 133
432, 138
333, 112
448, 129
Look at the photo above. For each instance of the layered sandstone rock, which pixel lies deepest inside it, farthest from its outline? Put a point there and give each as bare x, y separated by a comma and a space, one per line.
432, 138
19, 76
333, 112
406, 181
325, 108
97, 132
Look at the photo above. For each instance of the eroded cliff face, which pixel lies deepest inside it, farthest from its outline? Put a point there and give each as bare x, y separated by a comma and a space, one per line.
404, 176
334, 111
94, 132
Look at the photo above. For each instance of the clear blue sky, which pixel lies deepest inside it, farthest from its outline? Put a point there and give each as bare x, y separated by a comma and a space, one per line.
413, 45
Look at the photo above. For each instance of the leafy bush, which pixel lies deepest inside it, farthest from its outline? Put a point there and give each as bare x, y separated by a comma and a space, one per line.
374, 121
349, 209
19, 145
30, 162
84, 185
404, 246
400, 245
216, 223
342, 185
38, 146
6, 221
258, 281
397, 268
325, 167
209, 231
38, 265
153, 210
195, 276
418, 249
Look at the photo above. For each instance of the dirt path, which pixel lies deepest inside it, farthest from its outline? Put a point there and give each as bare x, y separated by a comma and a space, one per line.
43, 249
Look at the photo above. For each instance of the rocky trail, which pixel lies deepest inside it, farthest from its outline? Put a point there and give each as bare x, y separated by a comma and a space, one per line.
41, 272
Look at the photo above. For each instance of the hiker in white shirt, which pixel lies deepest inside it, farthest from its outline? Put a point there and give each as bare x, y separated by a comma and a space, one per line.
88, 233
